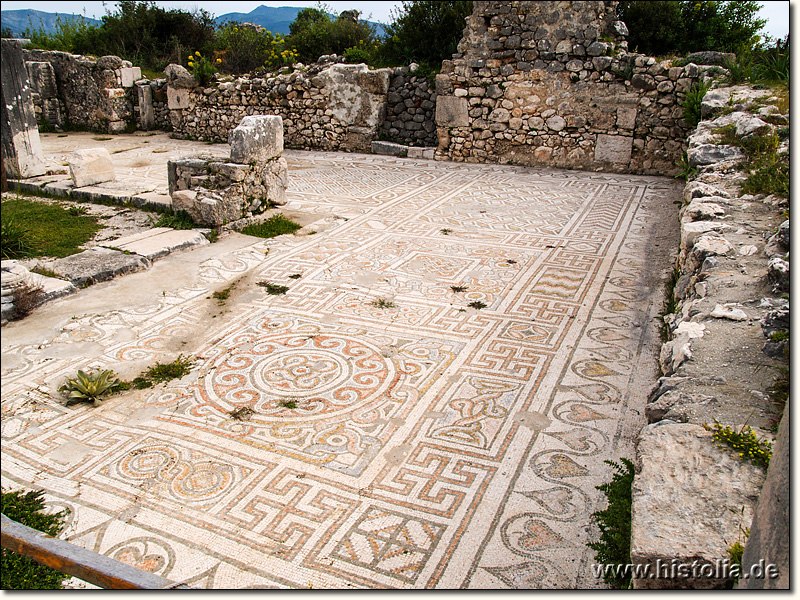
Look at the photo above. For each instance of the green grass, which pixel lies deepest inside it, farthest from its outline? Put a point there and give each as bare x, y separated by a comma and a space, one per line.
19, 572
40, 220
274, 226
179, 220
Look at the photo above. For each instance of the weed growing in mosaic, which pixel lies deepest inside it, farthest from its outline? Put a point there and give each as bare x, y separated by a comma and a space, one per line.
273, 289
222, 295
614, 545
274, 226
744, 442
288, 403
295, 276
445, 231
477, 305
90, 386
243, 413
382, 303
20, 572
458, 288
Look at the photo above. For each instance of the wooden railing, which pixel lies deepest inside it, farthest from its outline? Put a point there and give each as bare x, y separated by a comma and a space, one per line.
73, 560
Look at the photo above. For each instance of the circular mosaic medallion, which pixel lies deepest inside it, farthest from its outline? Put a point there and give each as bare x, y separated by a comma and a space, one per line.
300, 376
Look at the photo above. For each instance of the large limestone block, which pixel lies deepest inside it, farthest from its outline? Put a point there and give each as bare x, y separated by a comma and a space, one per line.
769, 533
178, 77
98, 264
256, 139
452, 111
613, 149
22, 148
691, 501
147, 118
128, 75
177, 98
90, 166
708, 154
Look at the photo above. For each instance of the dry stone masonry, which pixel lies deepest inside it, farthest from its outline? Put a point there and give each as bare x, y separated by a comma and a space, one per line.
216, 193
691, 498
552, 83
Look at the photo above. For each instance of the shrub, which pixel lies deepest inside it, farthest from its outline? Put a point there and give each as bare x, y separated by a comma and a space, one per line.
614, 545
425, 32
315, 32
202, 68
244, 48
684, 26
20, 572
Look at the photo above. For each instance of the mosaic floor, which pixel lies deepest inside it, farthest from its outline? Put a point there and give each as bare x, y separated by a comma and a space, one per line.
428, 406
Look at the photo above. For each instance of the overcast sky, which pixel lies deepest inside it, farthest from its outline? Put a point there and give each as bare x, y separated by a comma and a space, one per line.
776, 11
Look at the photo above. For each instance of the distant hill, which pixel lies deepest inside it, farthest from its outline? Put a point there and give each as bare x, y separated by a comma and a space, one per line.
274, 19
20, 20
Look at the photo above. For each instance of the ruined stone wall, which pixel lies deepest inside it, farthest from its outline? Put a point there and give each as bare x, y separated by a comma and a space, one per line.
552, 84
410, 109
323, 106
85, 92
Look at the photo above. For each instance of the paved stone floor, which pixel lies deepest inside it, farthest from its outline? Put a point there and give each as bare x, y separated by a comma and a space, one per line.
460, 356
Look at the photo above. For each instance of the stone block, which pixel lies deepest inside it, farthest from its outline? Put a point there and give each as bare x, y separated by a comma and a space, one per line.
452, 111
177, 98
691, 501
90, 166
42, 79
389, 148
22, 148
613, 149
769, 532
256, 139
96, 265
128, 75
626, 117
158, 242
146, 114
178, 77
708, 154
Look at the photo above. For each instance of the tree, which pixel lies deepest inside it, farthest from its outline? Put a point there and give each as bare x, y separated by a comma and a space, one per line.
153, 37
425, 32
684, 26
314, 33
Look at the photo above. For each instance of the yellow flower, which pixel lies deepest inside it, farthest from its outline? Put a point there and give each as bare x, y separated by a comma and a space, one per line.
197, 53
219, 60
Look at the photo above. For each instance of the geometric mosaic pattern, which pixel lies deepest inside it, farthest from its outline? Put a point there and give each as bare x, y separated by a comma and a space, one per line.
322, 440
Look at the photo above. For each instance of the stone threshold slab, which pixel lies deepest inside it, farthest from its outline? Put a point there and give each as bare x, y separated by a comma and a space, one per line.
158, 242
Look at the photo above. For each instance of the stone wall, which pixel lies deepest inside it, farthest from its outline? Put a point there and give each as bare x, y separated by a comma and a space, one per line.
552, 84
97, 94
693, 498
410, 109
325, 106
